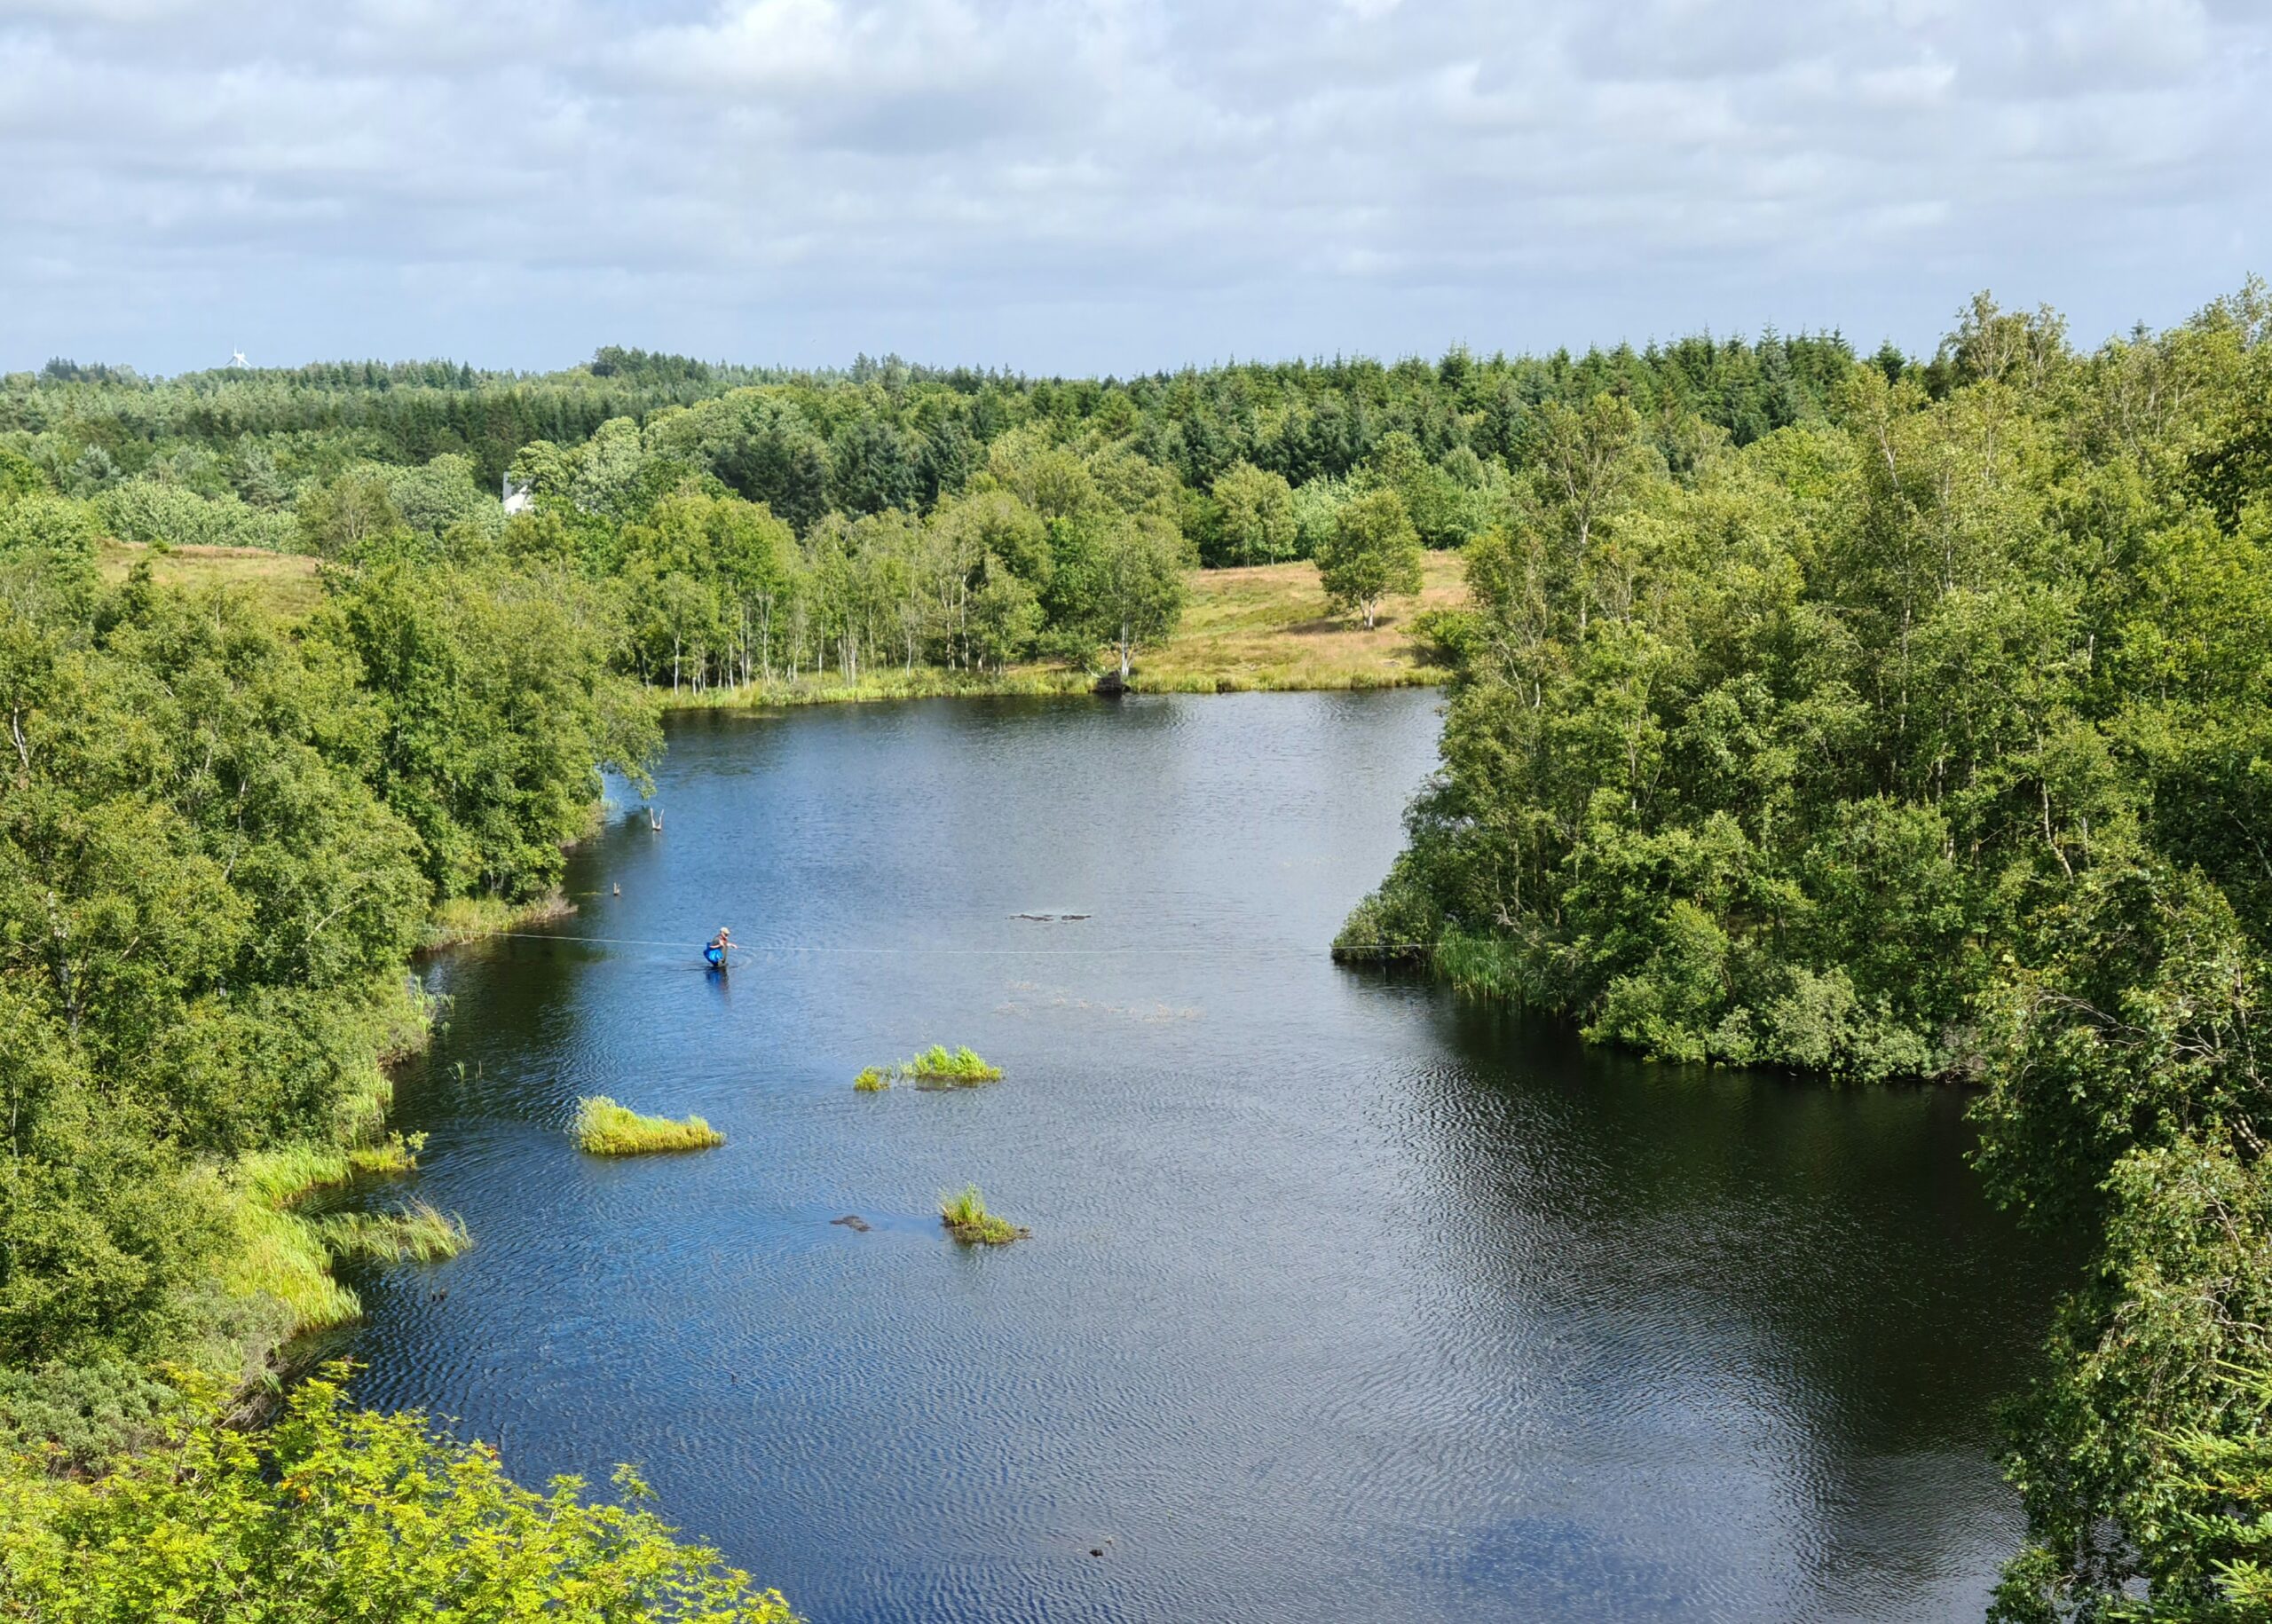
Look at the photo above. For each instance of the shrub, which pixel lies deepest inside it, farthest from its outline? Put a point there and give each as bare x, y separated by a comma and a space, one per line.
339, 1513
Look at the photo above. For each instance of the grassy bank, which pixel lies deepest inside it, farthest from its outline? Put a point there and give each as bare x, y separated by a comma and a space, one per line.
469, 918
1264, 628
1260, 629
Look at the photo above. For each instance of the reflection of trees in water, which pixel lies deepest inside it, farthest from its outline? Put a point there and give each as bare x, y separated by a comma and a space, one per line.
1809, 1271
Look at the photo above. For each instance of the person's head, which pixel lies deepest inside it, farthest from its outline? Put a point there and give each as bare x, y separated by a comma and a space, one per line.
723, 931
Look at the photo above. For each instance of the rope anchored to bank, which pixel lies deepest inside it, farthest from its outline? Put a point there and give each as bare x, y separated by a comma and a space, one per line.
941, 949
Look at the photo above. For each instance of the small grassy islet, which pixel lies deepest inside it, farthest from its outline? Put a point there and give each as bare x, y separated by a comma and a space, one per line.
936, 1067
965, 1215
602, 1128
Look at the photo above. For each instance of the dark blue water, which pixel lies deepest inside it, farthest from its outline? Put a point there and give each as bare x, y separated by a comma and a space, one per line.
1345, 1300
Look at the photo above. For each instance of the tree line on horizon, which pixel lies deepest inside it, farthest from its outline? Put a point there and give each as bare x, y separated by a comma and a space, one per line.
762, 522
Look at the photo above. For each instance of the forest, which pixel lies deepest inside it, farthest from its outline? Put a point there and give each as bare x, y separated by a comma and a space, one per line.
758, 527
1930, 739
1877, 718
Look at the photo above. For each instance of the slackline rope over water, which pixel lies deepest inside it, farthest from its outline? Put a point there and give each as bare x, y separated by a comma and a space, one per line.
1004, 952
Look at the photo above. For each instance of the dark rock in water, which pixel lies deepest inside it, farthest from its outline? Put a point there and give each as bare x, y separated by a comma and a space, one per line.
1110, 682
853, 1221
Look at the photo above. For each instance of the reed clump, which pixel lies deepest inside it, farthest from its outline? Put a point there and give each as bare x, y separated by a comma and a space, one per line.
958, 1069
276, 1254
417, 1234
965, 1215
282, 1177
936, 1067
602, 1128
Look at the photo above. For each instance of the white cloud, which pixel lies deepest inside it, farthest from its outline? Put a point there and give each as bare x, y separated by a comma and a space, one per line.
1108, 184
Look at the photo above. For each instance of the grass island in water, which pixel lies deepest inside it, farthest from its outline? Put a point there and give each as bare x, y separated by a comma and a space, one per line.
936, 1067
603, 1128
967, 1218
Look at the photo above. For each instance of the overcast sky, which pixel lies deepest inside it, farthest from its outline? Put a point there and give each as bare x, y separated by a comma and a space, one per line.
1077, 185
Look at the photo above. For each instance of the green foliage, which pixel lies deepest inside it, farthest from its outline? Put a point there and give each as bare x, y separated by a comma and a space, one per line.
495, 713
1925, 736
911, 516
165, 515
337, 1513
602, 1128
80, 1418
936, 1067
219, 841
1256, 520
965, 1215
1373, 554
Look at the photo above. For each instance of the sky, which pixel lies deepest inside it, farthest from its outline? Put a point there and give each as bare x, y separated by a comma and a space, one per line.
1106, 185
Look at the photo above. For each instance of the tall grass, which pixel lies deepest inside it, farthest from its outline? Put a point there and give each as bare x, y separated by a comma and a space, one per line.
469, 918
280, 1178
279, 1255
417, 1234
936, 1067
285, 1257
602, 1128
963, 1213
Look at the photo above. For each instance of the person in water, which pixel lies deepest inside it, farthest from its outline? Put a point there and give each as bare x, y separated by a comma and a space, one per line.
720, 946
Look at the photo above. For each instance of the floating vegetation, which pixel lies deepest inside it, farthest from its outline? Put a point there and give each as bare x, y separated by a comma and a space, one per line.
418, 1233
958, 1069
603, 1128
937, 1067
967, 1218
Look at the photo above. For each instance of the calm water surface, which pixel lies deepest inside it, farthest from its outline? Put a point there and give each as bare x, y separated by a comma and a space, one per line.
1344, 1301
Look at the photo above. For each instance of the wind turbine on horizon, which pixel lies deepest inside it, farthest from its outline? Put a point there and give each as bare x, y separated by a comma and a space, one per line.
236, 360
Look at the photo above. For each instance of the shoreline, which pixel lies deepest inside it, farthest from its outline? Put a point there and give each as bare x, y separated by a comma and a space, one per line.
1027, 683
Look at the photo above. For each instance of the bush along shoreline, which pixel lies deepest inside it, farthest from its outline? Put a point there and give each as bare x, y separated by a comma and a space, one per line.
222, 839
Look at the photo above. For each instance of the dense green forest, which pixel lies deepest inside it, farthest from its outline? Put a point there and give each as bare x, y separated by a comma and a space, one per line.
1929, 738
758, 526
220, 838
1873, 717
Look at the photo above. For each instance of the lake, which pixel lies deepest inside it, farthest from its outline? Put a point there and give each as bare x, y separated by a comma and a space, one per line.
1345, 1299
